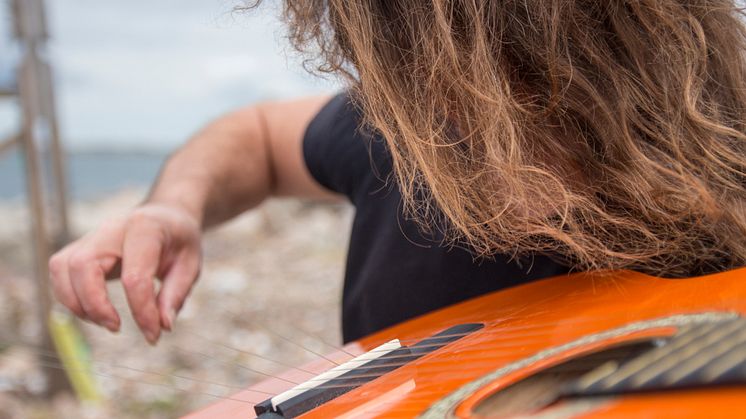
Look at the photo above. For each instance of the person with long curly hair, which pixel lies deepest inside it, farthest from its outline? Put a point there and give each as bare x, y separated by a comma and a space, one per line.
484, 144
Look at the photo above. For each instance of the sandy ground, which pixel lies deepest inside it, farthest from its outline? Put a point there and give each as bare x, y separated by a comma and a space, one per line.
270, 277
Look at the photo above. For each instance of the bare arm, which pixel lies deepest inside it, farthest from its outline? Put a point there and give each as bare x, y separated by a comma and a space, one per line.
231, 165
240, 159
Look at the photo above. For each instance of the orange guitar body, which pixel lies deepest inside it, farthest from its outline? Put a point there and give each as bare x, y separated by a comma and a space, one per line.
528, 329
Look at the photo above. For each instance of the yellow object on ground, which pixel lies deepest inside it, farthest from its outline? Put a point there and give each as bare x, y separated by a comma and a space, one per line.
75, 357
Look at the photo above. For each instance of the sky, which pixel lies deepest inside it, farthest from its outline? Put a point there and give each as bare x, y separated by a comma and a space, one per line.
145, 74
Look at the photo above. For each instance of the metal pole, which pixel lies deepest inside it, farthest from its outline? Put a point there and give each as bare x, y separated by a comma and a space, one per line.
36, 130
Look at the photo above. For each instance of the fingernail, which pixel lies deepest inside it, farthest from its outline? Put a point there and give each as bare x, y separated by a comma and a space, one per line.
151, 337
170, 318
111, 325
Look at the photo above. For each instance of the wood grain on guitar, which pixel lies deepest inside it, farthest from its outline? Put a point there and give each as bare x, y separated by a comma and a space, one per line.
617, 344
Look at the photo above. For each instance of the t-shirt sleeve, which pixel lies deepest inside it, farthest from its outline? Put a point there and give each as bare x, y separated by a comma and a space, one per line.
335, 150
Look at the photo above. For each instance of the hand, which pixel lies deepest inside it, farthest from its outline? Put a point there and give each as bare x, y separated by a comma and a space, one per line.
153, 241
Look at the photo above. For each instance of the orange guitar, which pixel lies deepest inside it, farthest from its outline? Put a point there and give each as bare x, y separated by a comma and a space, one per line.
619, 344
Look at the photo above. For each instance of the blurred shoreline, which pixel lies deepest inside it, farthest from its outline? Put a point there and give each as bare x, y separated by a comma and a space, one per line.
92, 173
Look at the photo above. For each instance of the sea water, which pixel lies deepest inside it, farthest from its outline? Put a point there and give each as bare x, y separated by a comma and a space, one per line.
90, 174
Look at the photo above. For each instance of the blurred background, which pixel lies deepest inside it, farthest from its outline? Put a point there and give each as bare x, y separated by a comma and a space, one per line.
133, 79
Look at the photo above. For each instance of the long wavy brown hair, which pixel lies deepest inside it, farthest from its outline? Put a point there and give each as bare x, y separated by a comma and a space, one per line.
611, 134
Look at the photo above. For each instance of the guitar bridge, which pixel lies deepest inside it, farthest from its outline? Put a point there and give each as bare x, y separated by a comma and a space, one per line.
356, 372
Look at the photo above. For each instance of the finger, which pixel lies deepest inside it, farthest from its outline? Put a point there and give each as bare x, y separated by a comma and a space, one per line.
141, 255
60, 280
86, 272
176, 286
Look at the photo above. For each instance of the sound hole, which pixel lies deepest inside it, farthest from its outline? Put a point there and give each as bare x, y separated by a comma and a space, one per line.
544, 387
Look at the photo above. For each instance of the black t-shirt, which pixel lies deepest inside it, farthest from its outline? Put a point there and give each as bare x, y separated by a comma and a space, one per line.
394, 272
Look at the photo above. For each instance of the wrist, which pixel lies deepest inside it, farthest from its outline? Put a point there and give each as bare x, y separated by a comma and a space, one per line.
183, 198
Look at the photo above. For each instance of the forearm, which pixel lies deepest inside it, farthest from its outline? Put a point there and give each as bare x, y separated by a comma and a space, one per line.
228, 167
223, 170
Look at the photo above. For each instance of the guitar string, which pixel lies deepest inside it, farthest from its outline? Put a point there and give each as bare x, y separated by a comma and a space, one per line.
417, 339
234, 363
49, 354
212, 341
53, 355
237, 388
56, 365
558, 323
307, 334
315, 353
482, 348
484, 366
491, 360
378, 407
280, 363
513, 343
465, 354
501, 331
424, 368
507, 314
254, 390
347, 386
298, 344
502, 345
509, 330
254, 370
266, 329
421, 393
313, 374
245, 352
403, 341
336, 348
212, 358
578, 367
29, 348
412, 339
419, 367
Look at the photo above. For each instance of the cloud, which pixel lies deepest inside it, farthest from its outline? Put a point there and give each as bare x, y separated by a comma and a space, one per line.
142, 73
